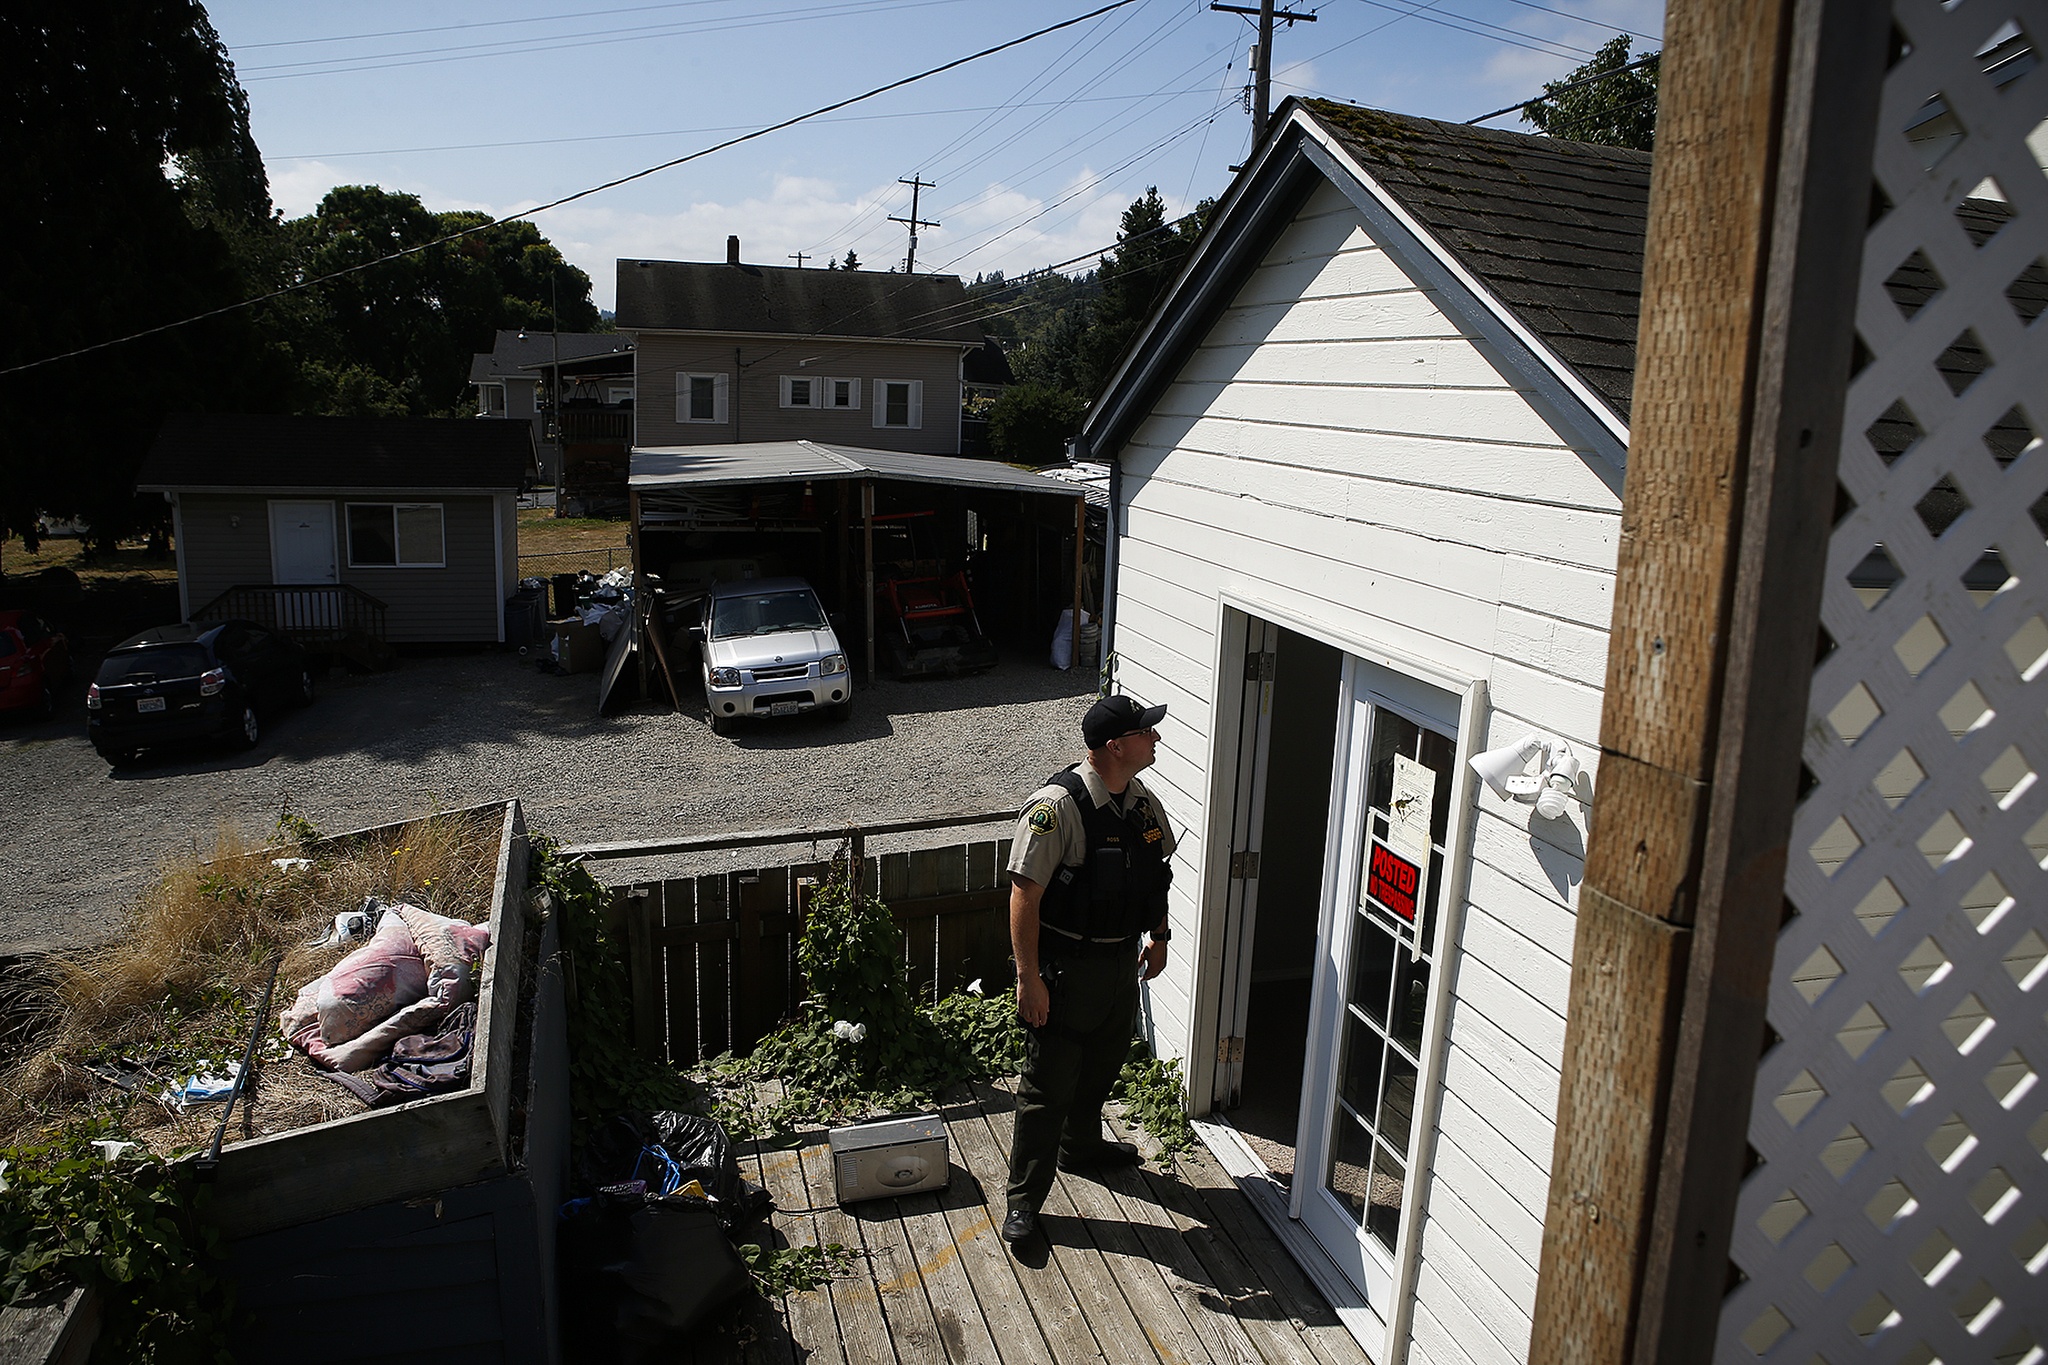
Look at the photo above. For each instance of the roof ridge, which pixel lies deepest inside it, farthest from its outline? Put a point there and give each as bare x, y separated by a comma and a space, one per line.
851, 465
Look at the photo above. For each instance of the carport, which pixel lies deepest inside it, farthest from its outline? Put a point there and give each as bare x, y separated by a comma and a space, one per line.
836, 514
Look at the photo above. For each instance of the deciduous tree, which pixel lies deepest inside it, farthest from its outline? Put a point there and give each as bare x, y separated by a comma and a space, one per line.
1617, 110
95, 102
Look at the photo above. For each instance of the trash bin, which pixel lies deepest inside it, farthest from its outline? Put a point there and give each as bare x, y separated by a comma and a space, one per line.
525, 613
566, 593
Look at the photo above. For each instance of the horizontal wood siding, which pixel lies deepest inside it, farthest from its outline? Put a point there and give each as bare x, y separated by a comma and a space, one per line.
1336, 446
452, 605
754, 369
218, 553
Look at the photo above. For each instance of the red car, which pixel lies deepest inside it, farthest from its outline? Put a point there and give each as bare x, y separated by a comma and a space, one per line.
35, 662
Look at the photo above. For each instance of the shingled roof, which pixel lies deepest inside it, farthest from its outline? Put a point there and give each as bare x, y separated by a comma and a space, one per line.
696, 296
1554, 229
245, 450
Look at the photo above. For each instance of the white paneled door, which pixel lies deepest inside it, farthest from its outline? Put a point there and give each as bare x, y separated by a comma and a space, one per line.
302, 542
302, 550
1374, 1006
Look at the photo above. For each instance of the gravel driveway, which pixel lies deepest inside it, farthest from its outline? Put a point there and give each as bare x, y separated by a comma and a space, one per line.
78, 841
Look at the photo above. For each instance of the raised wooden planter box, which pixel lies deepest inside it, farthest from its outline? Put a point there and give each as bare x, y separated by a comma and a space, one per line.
429, 1224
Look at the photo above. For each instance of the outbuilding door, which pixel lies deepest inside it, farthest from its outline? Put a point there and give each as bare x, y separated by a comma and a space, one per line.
302, 542
302, 550
1343, 779
1373, 1017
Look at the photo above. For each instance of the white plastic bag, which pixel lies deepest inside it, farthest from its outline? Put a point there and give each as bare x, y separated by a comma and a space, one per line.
1063, 639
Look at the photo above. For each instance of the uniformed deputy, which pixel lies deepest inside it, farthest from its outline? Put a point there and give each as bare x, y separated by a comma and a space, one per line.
1088, 875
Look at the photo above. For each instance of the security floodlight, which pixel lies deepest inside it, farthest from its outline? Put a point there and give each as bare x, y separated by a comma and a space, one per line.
1560, 783
1555, 783
1503, 768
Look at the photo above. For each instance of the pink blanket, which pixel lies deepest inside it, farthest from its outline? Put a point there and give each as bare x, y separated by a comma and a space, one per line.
415, 968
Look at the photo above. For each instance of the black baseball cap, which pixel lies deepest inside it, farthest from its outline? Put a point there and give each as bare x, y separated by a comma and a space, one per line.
1115, 716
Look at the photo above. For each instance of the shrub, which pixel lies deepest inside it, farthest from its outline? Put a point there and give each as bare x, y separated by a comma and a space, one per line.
1030, 423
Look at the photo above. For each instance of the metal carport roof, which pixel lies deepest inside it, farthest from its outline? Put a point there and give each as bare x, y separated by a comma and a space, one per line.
660, 467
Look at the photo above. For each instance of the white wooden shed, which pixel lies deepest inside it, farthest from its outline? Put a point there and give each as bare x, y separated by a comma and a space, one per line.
1367, 462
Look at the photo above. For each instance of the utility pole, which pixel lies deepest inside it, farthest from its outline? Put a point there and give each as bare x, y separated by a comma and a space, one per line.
1262, 58
799, 257
916, 184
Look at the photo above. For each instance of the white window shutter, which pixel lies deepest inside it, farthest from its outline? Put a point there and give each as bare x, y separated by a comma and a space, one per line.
682, 398
881, 391
916, 404
853, 394
718, 396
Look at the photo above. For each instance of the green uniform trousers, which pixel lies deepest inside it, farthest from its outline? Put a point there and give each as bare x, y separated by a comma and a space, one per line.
1070, 1066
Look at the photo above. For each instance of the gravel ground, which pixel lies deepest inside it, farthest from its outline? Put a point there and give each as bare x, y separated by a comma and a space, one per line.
78, 841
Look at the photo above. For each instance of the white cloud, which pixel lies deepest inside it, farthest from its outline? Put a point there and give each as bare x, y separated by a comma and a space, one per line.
298, 190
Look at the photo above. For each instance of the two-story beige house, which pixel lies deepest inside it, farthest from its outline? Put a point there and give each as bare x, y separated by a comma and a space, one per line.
729, 352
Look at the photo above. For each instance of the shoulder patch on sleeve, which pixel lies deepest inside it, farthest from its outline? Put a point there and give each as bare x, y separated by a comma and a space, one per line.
1042, 817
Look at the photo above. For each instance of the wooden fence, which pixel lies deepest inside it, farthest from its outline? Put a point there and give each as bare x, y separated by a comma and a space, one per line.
713, 957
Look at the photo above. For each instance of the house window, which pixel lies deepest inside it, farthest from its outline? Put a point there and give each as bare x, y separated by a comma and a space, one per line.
799, 391
899, 403
842, 393
493, 396
406, 535
700, 397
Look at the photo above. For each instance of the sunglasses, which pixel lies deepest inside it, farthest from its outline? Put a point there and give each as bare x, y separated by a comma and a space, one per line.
1148, 733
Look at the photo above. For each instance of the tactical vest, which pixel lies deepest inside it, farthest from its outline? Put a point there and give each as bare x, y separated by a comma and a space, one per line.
1119, 890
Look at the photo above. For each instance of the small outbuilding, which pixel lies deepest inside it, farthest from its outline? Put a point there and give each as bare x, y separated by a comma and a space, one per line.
1367, 458
399, 530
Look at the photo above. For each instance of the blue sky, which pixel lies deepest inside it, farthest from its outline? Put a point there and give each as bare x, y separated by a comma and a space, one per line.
1035, 152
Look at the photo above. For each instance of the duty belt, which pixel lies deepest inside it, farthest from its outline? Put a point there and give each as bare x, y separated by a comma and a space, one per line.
1070, 944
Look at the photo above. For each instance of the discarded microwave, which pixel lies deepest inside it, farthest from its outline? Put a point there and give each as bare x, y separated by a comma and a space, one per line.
895, 1156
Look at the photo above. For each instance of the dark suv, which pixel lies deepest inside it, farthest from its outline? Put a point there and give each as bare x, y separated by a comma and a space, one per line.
195, 682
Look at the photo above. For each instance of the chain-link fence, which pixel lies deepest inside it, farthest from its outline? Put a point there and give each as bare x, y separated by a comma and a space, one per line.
597, 561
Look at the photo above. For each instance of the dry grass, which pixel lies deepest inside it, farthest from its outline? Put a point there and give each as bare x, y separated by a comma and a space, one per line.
176, 993
130, 559
549, 545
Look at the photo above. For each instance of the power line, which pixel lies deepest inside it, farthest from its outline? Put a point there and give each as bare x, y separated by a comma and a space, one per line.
1059, 66
571, 198
481, 23
1515, 40
1201, 121
1580, 18
333, 66
1635, 65
968, 309
688, 132
1023, 176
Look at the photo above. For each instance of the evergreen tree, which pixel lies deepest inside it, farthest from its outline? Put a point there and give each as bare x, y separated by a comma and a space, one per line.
1148, 255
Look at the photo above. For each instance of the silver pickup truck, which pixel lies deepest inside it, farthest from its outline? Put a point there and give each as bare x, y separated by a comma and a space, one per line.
769, 650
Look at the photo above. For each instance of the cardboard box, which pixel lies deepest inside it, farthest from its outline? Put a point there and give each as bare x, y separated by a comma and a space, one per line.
896, 1156
578, 648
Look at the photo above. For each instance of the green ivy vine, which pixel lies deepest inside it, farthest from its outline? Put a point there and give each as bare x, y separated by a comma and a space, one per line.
131, 1227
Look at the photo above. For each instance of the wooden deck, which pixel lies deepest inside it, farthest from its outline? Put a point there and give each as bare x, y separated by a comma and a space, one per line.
1171, 1266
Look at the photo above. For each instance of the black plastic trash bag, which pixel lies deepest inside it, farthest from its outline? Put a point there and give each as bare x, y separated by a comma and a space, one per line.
641, 1274
696, 1148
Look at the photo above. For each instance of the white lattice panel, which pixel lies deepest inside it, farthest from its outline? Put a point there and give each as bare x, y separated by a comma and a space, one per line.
1900, 1210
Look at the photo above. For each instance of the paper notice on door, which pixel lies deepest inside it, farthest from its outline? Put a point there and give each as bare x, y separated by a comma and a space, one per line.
1411, 812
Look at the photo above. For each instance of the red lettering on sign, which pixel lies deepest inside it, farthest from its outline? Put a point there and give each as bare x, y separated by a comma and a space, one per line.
1392, 881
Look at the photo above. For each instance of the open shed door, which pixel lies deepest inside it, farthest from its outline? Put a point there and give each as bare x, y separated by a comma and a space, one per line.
1247, 834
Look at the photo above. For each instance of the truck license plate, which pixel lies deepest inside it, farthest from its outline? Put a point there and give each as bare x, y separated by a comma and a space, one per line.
782, 708
149, 703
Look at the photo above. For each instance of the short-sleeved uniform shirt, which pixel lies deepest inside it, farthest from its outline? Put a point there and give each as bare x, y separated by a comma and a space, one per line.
1050, 834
